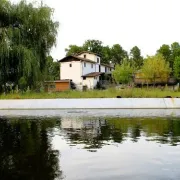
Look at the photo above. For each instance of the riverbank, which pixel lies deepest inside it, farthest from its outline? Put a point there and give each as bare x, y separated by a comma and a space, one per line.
109, 93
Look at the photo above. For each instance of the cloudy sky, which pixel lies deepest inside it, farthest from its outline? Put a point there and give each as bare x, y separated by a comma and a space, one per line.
145, 23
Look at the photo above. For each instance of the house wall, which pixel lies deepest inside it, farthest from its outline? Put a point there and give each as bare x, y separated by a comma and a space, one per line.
88, 69
74, 72
90, 82
96, 68
102, 68
92, 57
107, 69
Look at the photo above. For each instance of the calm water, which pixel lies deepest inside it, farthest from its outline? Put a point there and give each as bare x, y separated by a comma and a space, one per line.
89, 149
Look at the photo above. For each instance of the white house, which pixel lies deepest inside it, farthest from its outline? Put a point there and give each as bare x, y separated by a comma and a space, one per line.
84, 69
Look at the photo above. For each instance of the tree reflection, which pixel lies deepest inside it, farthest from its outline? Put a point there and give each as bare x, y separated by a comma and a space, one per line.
94, 133
26, 152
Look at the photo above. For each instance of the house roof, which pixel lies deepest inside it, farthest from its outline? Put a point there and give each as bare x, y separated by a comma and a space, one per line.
88, 53
75, 58
93, 74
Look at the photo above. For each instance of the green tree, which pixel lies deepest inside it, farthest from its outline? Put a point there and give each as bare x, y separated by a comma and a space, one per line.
27, 36
52, 70
118, 54
175, 51
165, 50
135, 53
94, 46
123, 72
106, 55
177, 67
73, 49
22, 83
156, 67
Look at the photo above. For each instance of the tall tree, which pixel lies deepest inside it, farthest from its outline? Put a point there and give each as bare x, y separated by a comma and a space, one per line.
118, 54
52, 69
94, 46
135, 53
106, 55
27, 36
123, 72
73, 49
177, 68
175, 51
156, 67
165, 50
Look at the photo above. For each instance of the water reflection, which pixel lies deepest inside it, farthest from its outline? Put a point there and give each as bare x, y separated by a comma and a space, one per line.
93, 133
27, 151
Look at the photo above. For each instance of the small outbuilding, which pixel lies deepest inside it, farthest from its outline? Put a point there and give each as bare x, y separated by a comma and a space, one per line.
57, 86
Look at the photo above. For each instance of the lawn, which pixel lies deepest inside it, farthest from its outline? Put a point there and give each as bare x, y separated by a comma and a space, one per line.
108, 93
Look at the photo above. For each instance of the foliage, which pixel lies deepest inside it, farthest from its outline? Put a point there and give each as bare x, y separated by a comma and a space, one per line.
73, 49
165, 50
123, 72
156, 67
136, 57
175, 50
106, 54
170, 52
27, 34
22, 83
90, 45
114, 54
177, 67
118, 54
52, 69
94, 46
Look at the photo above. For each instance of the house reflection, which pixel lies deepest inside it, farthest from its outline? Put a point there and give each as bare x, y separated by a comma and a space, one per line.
94, 133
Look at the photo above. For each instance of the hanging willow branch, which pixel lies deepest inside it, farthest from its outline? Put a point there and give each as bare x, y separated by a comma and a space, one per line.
27, 34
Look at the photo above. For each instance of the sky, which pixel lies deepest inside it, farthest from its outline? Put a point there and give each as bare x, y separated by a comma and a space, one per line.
144, 23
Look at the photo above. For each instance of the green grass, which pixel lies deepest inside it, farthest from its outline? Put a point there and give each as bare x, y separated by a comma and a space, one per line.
109, 93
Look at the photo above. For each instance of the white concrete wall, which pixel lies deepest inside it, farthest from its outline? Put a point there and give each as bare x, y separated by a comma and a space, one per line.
92, 57
92, 113
74, 72
96, 103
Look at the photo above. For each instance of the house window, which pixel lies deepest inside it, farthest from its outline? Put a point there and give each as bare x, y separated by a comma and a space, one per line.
97, 60
110, 69
70, 65
84, 64
105, 69
84, 78
91, 65
85, 56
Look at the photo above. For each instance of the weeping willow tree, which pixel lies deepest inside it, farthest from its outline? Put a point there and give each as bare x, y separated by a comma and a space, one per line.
27, 34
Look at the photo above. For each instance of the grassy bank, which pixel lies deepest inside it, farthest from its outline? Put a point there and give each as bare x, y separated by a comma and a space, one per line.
109, 93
